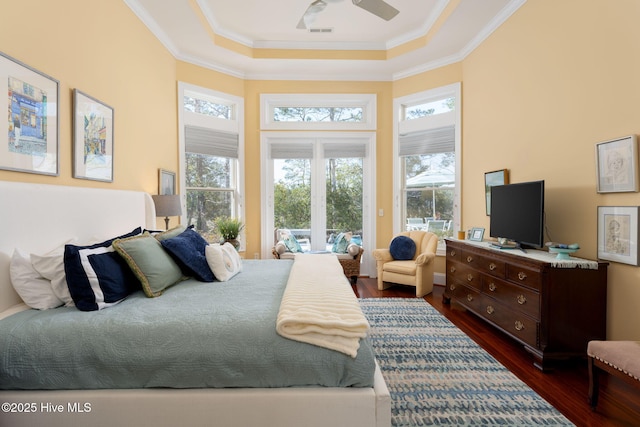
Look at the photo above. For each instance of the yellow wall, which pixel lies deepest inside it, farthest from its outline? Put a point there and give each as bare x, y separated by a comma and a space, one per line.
102, 49
538, 94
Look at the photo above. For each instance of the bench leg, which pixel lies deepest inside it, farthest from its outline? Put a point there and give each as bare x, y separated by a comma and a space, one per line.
594, 383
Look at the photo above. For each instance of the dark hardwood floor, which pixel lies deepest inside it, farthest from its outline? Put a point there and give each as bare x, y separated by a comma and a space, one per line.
565, 387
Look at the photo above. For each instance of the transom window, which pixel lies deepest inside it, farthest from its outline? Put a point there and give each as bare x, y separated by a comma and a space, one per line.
318, 112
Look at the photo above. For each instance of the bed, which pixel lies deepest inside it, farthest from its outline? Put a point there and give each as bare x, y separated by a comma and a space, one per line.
36, 218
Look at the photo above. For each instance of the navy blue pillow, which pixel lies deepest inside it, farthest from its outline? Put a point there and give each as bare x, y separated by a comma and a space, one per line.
402, 248
187, 250
97, 276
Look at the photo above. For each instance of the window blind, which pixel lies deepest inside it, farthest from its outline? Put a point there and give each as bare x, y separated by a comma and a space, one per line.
336, 151
437, 140
298, 150
210, 141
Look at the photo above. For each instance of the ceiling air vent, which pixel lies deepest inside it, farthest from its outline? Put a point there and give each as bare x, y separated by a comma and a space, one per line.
321, 30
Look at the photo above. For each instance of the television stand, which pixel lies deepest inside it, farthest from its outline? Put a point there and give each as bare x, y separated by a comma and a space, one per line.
553, 307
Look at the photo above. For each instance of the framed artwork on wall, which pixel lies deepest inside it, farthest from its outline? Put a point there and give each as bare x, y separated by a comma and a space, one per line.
618, 234
166, 182
499, 177
92, 138
29, 140
617, 165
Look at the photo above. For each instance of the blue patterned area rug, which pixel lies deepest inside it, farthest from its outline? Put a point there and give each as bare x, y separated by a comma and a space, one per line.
437, 375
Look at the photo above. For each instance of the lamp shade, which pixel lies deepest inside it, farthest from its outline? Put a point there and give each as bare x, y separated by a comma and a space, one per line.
167, 205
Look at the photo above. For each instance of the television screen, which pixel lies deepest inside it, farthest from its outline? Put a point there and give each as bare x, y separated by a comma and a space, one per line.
517, 213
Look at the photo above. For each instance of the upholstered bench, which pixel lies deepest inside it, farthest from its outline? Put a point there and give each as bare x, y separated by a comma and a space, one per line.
350, 261
618, 358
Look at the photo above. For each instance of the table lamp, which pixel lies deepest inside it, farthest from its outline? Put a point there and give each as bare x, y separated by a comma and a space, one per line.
166, 206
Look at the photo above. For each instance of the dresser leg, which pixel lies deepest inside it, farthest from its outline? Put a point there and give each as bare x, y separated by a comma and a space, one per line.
446, 299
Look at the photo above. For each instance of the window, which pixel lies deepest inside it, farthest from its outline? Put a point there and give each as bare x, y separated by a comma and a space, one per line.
318, 112
212, 157
427, 162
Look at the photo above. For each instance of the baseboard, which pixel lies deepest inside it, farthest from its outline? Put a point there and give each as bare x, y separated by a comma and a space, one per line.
439, 279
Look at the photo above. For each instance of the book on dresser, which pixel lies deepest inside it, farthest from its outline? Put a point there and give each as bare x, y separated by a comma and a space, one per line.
553, 307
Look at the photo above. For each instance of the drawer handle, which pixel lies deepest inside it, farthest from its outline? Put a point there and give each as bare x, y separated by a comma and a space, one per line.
522, 275
452, 269
521, 299
452, 287
469, 277
492, 287
492, 266
469, 297
453, 252
490, 309
469, 258
519, 325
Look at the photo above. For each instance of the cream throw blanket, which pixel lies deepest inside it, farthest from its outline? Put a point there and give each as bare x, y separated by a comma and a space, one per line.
319, 307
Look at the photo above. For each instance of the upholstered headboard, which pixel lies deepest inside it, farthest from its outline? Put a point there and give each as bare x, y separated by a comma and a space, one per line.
37, 218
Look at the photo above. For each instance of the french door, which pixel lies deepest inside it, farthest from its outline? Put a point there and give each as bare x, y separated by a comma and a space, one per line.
317, 185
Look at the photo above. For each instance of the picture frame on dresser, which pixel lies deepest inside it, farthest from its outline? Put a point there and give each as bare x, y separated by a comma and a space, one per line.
617, 165
477, 234
92, 138
30, 140
618, 234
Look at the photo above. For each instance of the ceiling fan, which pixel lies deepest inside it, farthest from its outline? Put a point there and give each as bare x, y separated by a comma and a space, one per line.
379, 8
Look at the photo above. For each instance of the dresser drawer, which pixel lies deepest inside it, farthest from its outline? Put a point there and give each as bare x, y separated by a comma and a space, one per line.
513, 322
483, 263
466, 296
524, 276
460, 272
512, 296
453, 253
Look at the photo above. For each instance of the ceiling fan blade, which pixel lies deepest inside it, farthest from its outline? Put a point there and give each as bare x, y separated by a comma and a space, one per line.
310, 14
378, 7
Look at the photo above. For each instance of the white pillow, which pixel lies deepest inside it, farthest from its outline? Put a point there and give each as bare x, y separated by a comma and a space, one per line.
51, 266
223, 260
34, 289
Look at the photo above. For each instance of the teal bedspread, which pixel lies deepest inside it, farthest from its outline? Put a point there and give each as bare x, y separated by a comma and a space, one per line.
195, 335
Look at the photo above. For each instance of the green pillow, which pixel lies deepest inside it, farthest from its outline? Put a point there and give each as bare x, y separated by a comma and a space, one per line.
155, 269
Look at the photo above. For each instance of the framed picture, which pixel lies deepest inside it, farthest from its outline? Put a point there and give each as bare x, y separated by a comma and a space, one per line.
477, 233
29, 140
92, 138
617, 165
166, 182
618, 233
499, 177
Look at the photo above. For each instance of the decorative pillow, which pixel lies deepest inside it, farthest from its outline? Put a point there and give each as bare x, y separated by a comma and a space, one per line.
290, 241
280, 248
402, 248
341, 243
153, 267
353, 249
35, 290
175, 231
224, 260
51, 267
188, 251
97, 276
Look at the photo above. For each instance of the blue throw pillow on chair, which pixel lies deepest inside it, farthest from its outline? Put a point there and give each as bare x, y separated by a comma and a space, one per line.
402, 248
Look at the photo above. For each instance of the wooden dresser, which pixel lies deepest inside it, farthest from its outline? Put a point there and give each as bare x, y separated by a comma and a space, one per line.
554, 309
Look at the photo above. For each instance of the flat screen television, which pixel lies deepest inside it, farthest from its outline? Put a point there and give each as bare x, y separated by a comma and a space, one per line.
517, 213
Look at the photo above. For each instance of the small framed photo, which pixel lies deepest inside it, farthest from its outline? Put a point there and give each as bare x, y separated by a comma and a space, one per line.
166, 182
29, 141
617, 165
499, 177
92, 138
477, 233
618, 233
